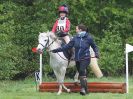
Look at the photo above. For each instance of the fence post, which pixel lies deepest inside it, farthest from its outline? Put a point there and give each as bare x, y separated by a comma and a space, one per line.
40, 74
127, 73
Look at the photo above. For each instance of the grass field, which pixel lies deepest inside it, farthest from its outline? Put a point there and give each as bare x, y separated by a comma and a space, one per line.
26, 89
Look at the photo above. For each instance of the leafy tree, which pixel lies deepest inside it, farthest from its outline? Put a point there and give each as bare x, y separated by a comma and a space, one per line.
109, 21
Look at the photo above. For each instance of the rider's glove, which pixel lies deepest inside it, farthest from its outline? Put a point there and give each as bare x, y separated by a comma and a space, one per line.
61, 34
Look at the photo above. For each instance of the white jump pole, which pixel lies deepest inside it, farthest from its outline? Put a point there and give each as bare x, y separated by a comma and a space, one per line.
127, 83
129, 48
40, 74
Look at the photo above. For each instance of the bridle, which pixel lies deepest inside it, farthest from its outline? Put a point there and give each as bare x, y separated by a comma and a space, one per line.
47, 45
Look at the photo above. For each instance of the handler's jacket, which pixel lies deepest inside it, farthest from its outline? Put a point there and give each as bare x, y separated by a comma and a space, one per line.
81, 45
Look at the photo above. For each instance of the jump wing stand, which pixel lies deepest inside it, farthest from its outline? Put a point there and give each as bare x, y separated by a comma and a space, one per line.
40, 74
129, 48
34, 50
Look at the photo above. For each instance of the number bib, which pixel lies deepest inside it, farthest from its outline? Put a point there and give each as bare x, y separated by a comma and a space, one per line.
61, 24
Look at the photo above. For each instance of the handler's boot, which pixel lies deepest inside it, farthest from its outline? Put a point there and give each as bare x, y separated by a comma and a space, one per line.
86, 87
83, 86
82, 91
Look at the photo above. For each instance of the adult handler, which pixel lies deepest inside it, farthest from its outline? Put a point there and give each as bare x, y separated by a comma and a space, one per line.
81, 42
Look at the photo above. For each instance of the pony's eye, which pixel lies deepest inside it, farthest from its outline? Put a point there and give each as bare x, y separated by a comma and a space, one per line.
45, 40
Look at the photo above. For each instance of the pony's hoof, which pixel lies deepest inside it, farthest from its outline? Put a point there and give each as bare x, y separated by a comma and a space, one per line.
68, 90
59, 93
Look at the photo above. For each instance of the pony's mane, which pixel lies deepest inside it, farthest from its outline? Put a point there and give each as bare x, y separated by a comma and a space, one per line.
49, 34
46, 34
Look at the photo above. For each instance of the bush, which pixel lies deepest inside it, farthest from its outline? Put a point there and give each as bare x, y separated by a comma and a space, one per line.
110, 22
112, 54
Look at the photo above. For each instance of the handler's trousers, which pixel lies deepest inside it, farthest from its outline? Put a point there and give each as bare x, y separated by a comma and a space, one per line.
82, 66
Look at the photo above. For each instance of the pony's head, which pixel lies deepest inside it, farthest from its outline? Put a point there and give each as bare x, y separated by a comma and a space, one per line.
45, 40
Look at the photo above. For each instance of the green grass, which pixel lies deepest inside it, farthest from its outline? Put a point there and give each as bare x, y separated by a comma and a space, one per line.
26, 89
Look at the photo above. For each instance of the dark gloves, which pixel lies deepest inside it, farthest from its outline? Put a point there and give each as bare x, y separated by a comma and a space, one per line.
54, 50
61, 34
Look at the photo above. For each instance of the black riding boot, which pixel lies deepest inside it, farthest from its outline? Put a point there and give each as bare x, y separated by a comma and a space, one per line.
83, 83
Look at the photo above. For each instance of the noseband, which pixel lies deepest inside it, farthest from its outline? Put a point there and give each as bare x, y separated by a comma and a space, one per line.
47, 45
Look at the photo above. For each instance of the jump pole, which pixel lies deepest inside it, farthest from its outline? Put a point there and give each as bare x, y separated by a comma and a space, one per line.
40, 74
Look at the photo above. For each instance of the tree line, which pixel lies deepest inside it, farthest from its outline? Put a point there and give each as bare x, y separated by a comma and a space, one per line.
110, 23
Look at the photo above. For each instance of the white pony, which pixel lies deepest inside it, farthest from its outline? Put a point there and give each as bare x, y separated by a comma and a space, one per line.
58, 61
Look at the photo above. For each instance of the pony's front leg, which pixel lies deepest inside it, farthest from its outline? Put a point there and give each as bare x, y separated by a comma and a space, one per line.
68, 90
60, 89
59, 83
62, 76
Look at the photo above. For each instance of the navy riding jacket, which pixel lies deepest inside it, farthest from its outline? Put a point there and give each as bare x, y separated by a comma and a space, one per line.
81, 45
